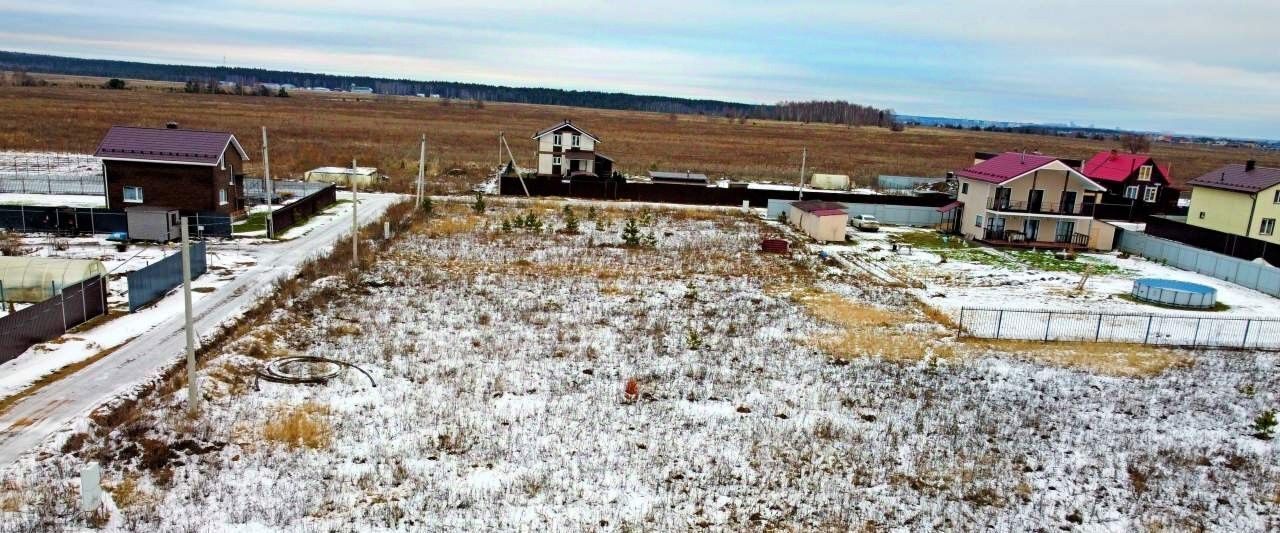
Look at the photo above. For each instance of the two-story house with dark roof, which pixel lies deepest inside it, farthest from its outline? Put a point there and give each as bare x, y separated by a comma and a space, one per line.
1238, 199
567, 151
188, 170
1135, 179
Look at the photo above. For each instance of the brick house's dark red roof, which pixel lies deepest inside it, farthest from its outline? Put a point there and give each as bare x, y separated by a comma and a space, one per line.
167, 145
1234, 177
1005, 167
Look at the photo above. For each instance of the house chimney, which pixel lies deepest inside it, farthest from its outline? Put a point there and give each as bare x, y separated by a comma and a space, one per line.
1250, 165
171, 125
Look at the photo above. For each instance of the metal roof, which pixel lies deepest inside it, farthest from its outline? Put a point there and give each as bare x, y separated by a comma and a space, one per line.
166, 145
679, 176
1234, 177
562, 125
1005, 167
1117, 167
813, 206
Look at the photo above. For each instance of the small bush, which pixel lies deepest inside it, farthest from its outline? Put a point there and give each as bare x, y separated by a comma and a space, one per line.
570, 220
1264, 426
479, 206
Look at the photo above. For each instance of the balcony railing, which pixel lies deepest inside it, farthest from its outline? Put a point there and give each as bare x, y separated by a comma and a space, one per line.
1048, 208
1017, 237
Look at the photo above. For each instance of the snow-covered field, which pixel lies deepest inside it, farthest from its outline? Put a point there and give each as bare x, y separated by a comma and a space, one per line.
527, 380
51, 173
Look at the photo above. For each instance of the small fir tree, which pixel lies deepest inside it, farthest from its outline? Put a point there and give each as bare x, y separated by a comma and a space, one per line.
570, 220
479, 206
631, 232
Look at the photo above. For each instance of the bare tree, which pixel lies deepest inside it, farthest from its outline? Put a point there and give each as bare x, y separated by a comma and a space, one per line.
1135, 143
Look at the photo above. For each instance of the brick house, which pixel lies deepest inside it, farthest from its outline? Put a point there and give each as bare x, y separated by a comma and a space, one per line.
193, 171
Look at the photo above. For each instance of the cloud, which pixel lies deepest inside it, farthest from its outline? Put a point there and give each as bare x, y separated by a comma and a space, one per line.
1189, 66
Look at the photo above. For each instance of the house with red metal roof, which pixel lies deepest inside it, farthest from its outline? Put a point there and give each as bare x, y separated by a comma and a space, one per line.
1238, 199
824, 221
1135, 179
1030, 200
193, 171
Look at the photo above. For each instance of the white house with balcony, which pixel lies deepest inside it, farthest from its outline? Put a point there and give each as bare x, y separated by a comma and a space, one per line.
1031, 200
567, 151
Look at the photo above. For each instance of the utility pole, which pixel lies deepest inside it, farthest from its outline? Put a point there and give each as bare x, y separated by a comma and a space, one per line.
355, 225
804, 156
422, 168
192, 407
266, 172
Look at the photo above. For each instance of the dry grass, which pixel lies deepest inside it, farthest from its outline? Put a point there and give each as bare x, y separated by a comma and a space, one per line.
306, 425
310, 130
1113, 359
867, 331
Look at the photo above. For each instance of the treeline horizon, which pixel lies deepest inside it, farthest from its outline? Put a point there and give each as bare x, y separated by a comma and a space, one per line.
828, 111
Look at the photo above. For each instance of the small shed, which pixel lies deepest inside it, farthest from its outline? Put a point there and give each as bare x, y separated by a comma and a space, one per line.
36, 279
830, 182
682, 178
823, 221
149, 223
343, 175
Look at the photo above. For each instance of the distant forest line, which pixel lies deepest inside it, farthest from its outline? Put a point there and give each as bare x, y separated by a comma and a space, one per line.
831, 112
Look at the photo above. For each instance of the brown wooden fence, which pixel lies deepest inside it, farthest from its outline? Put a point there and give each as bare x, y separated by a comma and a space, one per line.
304, 208
75, 305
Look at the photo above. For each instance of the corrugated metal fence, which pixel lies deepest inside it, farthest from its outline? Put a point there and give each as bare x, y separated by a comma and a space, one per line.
74, 305
150, 283
1168, 330
1262, 278
905, 215
255, 189
303, 208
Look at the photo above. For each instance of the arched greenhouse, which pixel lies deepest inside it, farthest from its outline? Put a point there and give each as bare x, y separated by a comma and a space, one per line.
36, 279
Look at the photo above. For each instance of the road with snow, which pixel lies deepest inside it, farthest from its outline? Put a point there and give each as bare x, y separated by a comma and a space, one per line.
33, 419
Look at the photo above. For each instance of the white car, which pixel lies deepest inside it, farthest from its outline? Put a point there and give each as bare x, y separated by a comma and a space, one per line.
865, 223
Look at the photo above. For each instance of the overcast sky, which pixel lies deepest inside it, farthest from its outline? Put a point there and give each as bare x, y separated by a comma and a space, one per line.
1177, 66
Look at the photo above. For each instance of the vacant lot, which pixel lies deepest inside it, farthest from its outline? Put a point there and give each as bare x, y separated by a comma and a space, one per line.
310, 130
529, 378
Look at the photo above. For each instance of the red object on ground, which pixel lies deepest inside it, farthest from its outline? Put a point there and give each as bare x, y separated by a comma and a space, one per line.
775, 246
632, 389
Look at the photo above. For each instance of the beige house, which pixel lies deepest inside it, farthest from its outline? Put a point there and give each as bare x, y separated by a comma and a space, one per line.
823, 221
1031, 200
1240, 199
568, 151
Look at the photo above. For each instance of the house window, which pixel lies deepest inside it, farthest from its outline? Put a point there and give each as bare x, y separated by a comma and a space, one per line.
1202, 215
1276, 199
1131, 192
557, 140
133, 195
555, 160
222, 197
576, 139
977, 221
1267, 227
1150, 194
964, 189
1144, 173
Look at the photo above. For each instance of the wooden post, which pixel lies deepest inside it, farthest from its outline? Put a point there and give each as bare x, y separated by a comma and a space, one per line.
1147, 335
355, 224
999, 322
1047, 323
192, 397
1245, 340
